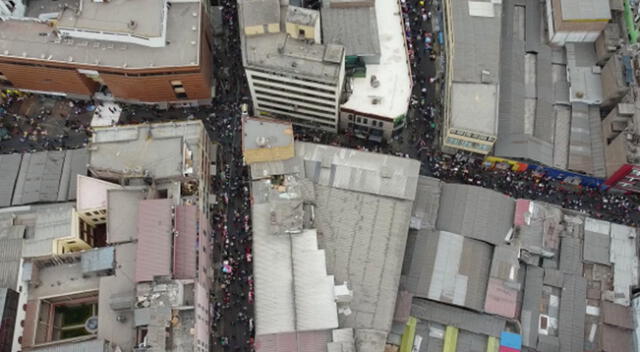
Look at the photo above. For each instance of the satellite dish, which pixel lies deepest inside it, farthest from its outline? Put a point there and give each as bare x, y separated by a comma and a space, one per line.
91, 325
262, 141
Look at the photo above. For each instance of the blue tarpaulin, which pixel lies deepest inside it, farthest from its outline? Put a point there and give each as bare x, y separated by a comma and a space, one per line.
511, 340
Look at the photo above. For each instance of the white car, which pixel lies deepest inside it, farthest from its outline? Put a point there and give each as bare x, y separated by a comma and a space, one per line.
244, 108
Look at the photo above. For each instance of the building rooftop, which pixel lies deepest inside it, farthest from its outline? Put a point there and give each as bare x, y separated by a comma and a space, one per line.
142, 18
266, 140
40, 177
28, 39
390, 97
360, 225
463, 210
450, 268
280, 52
533, 112
585, 10
261, 12
474, 107
355, 28
365, 172
155, 235
122, 207
162, 150
476, 34
11, 242
302, 16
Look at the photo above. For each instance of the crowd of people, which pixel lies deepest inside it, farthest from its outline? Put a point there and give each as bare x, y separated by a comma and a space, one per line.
232, 308
421, 140
232, 298
28, 125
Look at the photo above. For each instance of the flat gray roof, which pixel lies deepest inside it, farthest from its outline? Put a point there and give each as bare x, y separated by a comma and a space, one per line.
116, 16
258, 12
157, 148
474, 107
34, 40
276, 133
585, 10
161, 157
281, 53
113, 290
122, 207
356, 28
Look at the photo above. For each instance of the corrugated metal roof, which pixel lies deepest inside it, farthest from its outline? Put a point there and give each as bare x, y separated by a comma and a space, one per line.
573, 305
51, 222
426, 203
354, 170
154, 239
530, 312
403, 307
186, 242
293, 290
364, 237
461, 318
355, 28
11, 240
521, 211
76, 162
308, 341
475, 212
625, 262
9, 167
570, 255
528, 86
470, 342
458, 272
501, 299
39, 177
98, 259
596, 244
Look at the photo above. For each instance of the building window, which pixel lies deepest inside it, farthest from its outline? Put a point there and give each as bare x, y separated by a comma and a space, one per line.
350, 117
301, 32
366, 121
358, 120
380, 124
178, 89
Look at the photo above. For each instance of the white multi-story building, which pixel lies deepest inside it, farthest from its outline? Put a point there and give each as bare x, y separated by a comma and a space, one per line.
291, 76
379, 77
